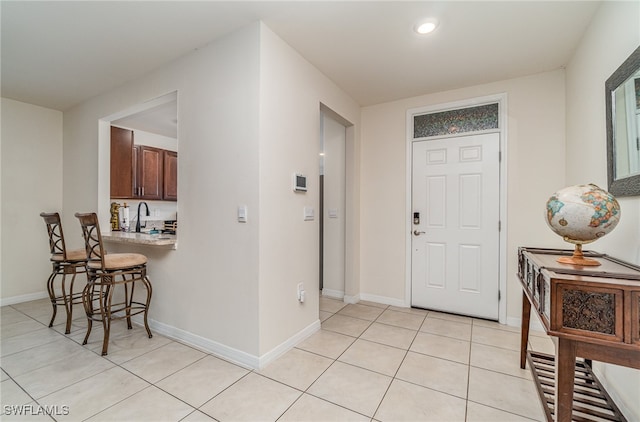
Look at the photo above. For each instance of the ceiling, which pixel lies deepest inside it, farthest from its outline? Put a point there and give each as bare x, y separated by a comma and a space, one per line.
57, 54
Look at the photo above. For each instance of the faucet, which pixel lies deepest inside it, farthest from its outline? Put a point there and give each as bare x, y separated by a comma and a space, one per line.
138, 219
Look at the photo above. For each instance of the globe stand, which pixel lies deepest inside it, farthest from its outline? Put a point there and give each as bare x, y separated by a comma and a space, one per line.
578, 258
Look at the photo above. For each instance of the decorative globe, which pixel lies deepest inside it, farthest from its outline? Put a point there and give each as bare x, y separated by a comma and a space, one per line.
582, 214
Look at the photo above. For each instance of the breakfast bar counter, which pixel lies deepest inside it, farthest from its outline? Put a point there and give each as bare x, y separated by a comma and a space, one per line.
143, 239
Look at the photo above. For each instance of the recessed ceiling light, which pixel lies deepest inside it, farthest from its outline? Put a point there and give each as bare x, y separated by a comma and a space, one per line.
426, 27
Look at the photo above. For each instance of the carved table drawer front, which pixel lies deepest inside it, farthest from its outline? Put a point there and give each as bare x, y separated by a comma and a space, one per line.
602, 303
590, 312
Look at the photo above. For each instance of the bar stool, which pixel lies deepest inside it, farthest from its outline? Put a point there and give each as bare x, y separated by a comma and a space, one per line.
64, 262
112, 280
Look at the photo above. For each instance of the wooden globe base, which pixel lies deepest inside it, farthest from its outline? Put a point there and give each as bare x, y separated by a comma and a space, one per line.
578, 258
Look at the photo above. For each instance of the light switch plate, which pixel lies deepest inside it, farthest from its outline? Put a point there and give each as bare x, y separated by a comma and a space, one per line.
309, 214
242, 214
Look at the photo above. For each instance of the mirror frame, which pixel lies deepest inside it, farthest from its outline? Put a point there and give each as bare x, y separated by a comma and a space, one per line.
628, 186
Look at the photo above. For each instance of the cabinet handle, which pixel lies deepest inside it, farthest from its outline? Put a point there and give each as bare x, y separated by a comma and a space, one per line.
142, 190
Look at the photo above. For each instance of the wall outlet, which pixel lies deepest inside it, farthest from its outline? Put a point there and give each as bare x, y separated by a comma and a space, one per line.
300, 292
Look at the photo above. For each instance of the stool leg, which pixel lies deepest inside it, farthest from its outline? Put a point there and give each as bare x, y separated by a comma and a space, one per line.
52, 294
87, 302
105, 311
68, 297
147, 284
128, 298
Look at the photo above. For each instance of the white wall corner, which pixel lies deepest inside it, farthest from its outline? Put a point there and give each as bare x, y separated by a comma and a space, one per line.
287, 345
351, 299
236, 356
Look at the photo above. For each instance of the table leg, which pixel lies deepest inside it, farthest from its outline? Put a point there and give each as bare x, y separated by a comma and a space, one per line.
524, 331
565, 374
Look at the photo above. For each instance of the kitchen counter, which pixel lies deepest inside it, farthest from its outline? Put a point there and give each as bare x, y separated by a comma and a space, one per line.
144, 239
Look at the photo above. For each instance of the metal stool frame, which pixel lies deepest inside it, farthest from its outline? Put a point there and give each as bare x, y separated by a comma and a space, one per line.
98, 295
63, 264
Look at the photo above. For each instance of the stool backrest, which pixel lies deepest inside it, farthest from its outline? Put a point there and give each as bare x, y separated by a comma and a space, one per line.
92, 237
56, 236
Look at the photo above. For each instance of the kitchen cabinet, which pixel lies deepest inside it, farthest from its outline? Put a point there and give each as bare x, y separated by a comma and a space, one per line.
122, 163
141, 171
170, 192
149, 172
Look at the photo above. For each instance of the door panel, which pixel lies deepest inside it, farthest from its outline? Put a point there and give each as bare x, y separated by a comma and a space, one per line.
436, 195
455, 247
469, 268
436, 269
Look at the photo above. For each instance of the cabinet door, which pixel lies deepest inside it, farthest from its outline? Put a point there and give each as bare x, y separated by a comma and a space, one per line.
170, 176
150, 172
122, 163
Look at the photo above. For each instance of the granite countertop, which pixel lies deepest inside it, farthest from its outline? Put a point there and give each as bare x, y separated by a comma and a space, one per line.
147, 239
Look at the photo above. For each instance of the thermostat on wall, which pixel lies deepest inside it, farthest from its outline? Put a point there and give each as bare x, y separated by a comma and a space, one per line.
299, 182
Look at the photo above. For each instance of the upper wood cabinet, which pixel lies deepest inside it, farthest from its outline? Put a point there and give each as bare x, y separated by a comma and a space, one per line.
141, 171
149, 172
170, 192
122, 163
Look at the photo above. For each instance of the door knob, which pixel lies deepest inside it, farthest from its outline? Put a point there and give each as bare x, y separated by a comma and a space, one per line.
418, 233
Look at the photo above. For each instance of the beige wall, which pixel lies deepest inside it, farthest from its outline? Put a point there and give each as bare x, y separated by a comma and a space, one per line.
31, 177
206, 291
291, 92
609, 40
535, 169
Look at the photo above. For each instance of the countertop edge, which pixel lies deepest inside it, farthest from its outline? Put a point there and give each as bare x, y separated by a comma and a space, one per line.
141, 239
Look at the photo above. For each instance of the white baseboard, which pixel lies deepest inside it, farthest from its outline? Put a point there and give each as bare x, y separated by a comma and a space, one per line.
23, 298
231, 354
334, 294
384, 300
289, 344
206, 345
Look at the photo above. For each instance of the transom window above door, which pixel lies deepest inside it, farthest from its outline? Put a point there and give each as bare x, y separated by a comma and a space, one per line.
462, 120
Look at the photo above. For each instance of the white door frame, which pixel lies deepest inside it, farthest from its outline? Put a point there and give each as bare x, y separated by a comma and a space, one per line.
501, 99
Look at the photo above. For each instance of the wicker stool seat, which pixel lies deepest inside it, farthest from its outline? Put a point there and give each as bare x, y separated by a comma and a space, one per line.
64, 262
109, 294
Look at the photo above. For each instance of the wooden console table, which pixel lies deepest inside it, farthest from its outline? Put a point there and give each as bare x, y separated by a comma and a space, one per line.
595, 314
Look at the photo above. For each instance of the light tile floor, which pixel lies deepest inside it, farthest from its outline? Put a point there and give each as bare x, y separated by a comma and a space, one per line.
369, 362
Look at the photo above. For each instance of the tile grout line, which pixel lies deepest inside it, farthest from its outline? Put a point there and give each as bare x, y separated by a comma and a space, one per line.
393, 378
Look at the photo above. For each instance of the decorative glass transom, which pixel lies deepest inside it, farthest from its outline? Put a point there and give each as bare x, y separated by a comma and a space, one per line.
472, 119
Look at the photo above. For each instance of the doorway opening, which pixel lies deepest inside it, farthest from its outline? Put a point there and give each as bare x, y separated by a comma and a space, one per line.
333, 204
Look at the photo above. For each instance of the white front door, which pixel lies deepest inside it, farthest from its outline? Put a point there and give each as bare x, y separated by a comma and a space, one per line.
455, 230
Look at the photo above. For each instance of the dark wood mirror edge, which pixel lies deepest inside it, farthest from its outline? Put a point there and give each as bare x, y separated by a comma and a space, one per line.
628, 186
